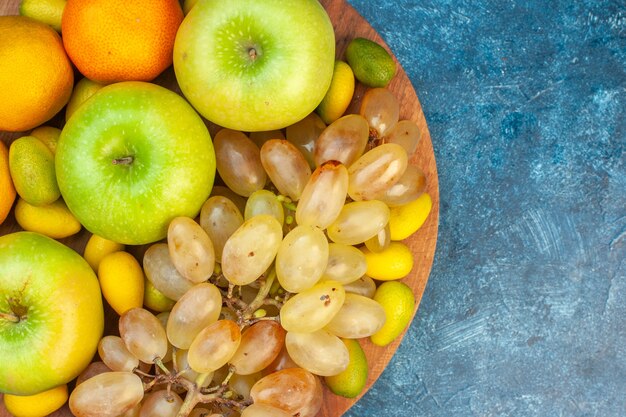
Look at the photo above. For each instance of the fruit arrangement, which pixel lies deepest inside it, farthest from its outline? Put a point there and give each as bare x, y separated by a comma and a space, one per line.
255, 207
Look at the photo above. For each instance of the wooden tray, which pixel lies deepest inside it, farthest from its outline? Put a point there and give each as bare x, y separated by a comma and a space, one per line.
348, 24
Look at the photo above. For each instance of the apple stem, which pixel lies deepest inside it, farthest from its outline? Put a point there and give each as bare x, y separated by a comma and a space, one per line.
10, 317
127, 160
252, 54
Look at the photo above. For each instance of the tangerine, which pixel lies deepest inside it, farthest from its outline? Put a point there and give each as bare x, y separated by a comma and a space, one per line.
121, 40
7, 190
36, 76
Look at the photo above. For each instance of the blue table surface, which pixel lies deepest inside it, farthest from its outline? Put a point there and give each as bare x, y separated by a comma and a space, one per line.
524, 313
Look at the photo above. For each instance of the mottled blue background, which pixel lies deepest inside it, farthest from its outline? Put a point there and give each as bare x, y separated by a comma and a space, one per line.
525, 310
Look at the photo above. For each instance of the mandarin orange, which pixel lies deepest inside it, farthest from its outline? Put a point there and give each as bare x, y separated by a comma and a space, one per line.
121, 40
7, 190
36, 76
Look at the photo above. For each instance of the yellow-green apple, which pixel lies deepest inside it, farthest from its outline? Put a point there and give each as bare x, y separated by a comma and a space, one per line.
255, 65
51, 315
133, 157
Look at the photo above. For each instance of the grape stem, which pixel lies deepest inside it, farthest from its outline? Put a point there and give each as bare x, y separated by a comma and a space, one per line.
261, 295
158, 362
194, 395
142, 373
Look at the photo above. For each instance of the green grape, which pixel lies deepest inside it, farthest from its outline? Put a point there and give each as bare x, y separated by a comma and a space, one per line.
405, 133
344, 140
191, 249
323, 196
220, 217
287, 168
364, 286
294, 390
163, 318
199, 307
380, 241
115, 355
242, 384
282, 361
251, 249
312, 309
161, 403
345, 263
223, 191
358, 221
381, 110
109, 394
304, 133
259, 138
409, 187
260, 345
182, 365
320, 352
376, 171
239, 162
161, 272
214, 346
143, 334
264, 202
358, 317
302, 258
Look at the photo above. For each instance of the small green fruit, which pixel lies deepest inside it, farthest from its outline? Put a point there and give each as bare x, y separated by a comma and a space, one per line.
371, 63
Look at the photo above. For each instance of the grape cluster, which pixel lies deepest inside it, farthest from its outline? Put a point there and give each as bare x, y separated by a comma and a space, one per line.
268, 279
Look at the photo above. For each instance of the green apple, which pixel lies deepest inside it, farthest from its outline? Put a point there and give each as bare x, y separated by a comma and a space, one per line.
255, 65
133, 157
51, 315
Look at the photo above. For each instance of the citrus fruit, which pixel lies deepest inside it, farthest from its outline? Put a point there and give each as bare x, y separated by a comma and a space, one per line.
350, 382
36, 76
339, 94
398, 302
121, 40
49, 135
53, 220
371, 63
32, 168
406, 219
7, 190
37, 405
97, 248
154, 299
188, 4
83, 89
121, 280
394, 262
45, 11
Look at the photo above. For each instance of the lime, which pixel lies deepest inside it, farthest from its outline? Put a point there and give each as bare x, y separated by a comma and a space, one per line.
188, 4
351, 381
339, 94
406, 219
371, 63
398, 302
32, 168
84, 89
394, 262
49, 135
155, 300
36, 405
46, 11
